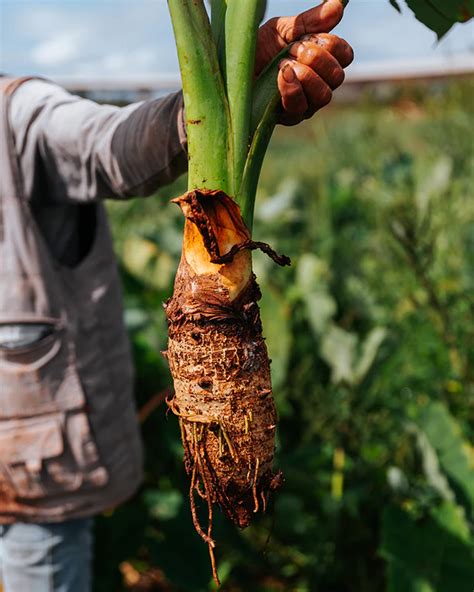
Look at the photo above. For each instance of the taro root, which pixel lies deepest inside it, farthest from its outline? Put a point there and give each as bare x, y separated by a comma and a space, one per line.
219, 362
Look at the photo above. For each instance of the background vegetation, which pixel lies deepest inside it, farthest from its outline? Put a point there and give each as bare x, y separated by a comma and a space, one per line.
371, 332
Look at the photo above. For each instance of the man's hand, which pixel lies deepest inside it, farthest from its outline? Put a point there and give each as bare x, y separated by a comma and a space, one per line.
315, 62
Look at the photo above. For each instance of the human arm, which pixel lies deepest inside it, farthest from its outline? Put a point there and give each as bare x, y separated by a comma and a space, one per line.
76, 150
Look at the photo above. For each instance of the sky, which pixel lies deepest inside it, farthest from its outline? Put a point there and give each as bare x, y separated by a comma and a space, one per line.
128, 39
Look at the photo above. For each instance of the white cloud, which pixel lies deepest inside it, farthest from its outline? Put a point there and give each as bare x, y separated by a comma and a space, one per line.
141, 60
59, 49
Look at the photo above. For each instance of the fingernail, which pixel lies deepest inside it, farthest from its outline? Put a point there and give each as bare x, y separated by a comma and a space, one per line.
288, 74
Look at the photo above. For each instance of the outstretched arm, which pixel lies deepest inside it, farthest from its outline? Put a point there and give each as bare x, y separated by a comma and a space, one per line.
81, 151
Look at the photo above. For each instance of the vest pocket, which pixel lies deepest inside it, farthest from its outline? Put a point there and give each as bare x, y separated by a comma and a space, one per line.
49, 455
46, 444
39, 378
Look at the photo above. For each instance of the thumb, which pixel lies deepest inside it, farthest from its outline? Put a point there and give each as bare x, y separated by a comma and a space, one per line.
321, 19
279, 32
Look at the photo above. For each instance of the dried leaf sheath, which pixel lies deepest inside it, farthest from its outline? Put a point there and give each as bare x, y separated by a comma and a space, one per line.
219, 362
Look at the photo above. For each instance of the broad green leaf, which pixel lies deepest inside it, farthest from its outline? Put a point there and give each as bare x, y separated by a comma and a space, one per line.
435, 550
452, 10
312, 273
312, 278
338, 349
440, 15
320, 308
443, 434
432, 183
370, 349
395, 5
431, 467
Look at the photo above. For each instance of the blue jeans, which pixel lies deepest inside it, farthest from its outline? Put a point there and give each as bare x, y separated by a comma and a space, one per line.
46, 557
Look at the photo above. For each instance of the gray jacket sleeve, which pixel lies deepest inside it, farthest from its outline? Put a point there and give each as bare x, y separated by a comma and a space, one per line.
81, 151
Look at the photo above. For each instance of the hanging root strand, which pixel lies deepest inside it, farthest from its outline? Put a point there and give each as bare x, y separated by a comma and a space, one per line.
215, 574
205, 537
254, 487
199, 474
229, 444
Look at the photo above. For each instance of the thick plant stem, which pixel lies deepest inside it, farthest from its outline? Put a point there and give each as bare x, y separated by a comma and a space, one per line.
207, 112
242, 20
218, 11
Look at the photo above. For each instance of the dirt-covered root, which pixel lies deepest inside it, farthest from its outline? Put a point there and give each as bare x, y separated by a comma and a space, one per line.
224, 401
220, 364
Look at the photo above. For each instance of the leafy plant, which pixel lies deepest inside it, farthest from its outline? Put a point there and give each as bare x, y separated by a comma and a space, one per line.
344, 447
440, 15
216, 352
430, 549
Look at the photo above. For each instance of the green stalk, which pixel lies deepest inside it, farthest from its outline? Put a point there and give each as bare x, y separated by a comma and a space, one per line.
207, 112
218, 11
256, 155
266, 100
241, 24
266, 90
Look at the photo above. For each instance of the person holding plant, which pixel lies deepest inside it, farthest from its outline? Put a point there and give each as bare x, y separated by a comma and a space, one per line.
69, 439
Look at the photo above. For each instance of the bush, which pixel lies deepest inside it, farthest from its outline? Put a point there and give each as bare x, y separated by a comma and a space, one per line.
371, 333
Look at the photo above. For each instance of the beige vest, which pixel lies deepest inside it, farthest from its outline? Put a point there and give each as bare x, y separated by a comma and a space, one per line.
69, 440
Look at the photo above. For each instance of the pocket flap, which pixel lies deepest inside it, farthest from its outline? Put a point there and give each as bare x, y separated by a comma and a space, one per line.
30, 441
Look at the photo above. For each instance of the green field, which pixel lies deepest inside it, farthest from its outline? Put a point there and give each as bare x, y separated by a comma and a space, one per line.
371, 333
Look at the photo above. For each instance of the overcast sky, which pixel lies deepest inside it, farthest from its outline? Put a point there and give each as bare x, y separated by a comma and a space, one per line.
132, 38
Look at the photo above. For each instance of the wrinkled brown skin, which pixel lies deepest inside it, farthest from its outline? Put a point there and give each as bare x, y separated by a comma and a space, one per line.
219, 362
